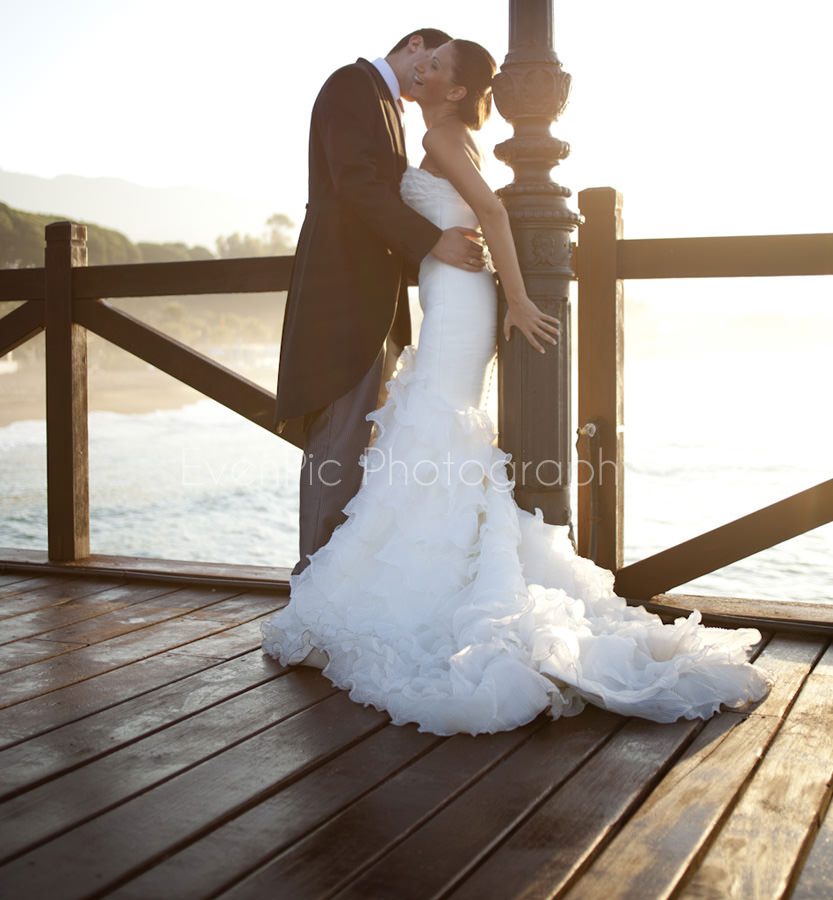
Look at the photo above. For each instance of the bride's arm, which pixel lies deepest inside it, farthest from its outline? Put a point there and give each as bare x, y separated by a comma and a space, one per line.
447, 151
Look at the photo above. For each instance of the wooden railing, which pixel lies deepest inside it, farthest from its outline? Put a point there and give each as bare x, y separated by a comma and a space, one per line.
603, 261
63, 298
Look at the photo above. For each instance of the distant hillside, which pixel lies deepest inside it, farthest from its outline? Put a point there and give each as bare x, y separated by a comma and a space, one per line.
22, 243
205, 321
159, 215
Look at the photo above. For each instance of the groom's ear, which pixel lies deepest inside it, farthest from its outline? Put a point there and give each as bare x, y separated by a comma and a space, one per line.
416, 43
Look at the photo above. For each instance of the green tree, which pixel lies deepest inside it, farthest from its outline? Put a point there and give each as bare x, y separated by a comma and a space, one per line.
172, 252
22, 243
277, 240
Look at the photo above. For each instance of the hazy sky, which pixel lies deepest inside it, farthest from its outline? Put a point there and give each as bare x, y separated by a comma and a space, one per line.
711, 117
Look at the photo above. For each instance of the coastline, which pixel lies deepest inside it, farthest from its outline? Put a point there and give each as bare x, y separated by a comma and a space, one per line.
127, 391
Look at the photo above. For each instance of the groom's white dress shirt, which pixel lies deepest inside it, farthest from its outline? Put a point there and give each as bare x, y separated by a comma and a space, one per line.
391, 81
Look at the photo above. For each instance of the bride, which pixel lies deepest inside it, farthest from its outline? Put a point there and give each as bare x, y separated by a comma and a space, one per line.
439, 600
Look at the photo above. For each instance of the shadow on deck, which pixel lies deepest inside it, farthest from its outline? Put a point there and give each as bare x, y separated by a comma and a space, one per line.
151, 750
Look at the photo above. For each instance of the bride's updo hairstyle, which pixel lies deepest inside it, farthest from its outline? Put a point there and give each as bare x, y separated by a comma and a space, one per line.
473, 68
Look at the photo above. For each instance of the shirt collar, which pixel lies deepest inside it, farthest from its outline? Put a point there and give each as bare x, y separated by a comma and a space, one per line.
390, 78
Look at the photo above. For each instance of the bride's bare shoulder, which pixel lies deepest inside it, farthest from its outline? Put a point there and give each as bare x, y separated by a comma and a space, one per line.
451, 136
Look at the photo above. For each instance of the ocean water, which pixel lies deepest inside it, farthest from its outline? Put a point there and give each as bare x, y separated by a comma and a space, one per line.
701, 448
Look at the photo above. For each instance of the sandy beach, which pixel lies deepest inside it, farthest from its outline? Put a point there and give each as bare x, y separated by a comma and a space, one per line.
23, 393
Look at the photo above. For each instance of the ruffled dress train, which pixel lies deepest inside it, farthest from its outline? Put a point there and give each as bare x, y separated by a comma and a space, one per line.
442, 602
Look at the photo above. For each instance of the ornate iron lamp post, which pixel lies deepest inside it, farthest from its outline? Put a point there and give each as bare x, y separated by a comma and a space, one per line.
534, 418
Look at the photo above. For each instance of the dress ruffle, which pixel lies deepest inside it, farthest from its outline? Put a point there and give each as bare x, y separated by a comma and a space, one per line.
442, 602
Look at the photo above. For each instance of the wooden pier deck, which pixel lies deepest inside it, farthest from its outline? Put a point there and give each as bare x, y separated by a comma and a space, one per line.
151, 750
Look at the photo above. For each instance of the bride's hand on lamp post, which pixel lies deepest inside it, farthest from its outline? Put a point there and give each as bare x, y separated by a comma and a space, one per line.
525, 315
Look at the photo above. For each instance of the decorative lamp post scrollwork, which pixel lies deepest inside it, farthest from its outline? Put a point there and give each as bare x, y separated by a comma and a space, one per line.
534, 418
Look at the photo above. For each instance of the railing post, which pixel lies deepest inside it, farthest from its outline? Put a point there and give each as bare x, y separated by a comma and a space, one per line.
534, 391
600, 378
67, 463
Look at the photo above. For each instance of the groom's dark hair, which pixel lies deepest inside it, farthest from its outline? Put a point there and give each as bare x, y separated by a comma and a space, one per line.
431, 37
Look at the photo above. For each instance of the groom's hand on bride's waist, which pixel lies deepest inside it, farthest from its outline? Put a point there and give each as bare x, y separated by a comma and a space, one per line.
461, 247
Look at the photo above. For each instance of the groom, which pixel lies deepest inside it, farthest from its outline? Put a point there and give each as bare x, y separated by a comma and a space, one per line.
347, 315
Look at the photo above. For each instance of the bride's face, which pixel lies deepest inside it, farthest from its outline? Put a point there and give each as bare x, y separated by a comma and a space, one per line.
433, 83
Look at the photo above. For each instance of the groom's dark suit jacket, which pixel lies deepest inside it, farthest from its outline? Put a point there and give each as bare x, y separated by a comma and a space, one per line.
348, 288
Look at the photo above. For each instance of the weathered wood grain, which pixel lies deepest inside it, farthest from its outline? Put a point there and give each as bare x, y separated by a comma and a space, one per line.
48, 591
124, 841
225, 855
50, 809
436, 856
43, 621
760, 847
45, 712
42, 758
85, 662
350, 841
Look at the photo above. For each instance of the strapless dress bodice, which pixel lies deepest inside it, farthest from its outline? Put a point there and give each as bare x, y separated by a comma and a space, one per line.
436, 198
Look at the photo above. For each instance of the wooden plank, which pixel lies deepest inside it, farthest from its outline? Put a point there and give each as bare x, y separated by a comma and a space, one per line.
434, 858
183, 363
32, 650
150, 612
825, 665
51, 591
225, 855
36, 561
46, 712
657, 844
601, 460
16, 578
85, 662
346, 844
124, 841
169, 279
760, 847
727, 257
728, 543
80, 609
75, 701
654, 849
241, 608
554, 844
15, 587
231, 642
176, 598
22, 284
67, 452
778, 615
54, 586
816, 876
52, 808
26, 582
20, 324
34, 761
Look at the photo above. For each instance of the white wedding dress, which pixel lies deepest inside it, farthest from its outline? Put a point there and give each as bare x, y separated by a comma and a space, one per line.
442, 602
